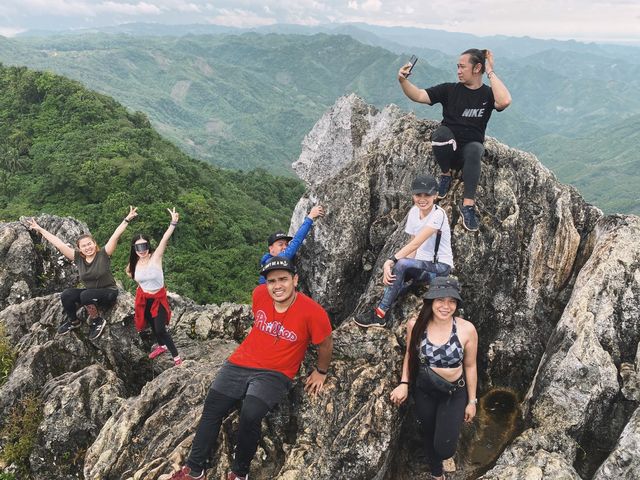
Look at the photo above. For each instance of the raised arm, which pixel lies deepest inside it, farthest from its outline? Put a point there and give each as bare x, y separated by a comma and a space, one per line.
175, 216
401, 392
110, 247
414, 93
501, 95
65, 249
302, 232
315, 381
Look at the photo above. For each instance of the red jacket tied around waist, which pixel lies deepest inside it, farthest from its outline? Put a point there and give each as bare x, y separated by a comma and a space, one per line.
159, 298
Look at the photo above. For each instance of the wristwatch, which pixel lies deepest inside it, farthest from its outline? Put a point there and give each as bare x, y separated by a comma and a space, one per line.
473, 402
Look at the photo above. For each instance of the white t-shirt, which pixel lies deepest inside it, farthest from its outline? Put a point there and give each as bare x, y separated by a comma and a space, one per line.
437, 220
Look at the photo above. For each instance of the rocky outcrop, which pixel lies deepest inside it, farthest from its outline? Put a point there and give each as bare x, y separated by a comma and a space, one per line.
31, 267
551, 285
576, 393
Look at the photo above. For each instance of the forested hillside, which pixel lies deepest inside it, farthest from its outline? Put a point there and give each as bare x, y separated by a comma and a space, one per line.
65, 150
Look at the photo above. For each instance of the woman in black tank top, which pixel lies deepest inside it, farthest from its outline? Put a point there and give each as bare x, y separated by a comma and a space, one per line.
440, 365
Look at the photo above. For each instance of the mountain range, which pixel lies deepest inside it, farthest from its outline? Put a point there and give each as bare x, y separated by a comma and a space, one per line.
245, 99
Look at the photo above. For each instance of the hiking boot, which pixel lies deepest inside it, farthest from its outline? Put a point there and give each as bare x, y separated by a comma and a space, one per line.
69, 325
369, 319
185, 474
177, 361
159, 350
445, 185
233, 476
469, 219
96, 328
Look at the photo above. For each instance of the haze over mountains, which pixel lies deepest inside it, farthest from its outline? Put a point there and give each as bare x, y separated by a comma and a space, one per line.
243, 100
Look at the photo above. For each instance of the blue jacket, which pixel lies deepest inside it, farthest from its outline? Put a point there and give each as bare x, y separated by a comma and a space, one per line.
293, 246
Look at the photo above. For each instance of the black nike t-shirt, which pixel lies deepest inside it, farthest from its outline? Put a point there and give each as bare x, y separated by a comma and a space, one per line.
465, 111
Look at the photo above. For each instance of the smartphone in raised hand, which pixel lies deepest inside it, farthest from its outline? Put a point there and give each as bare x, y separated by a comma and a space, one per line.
413, 60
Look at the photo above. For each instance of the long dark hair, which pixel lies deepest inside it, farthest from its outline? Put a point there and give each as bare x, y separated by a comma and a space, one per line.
476, 56
424, 317
133, 256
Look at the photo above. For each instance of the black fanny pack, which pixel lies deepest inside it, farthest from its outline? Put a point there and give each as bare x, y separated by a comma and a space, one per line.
442, 384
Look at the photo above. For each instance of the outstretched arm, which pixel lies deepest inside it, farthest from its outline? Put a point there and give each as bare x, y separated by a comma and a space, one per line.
416, 94
302, 232
501, 95
315, 381
175, 216
110, 247
65, 249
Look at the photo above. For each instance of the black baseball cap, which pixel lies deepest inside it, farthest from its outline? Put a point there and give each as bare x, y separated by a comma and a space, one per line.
280, 235
424, 184
278, 263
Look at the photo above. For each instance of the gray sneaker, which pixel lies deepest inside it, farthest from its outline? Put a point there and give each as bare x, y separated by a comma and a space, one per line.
97, 326
469, 219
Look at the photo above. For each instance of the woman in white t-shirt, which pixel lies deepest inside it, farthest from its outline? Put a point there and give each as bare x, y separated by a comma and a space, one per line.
427, 255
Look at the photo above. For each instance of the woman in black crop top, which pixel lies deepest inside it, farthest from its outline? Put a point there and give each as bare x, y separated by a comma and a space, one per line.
94, 268
440, 363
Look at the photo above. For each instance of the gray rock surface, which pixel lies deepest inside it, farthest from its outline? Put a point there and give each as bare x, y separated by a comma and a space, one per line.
31, 267
552, 286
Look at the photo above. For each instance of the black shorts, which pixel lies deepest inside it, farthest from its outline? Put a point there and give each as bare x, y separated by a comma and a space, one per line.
237, 382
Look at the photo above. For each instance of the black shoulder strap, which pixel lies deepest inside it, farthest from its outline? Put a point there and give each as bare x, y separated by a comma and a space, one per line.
438, 237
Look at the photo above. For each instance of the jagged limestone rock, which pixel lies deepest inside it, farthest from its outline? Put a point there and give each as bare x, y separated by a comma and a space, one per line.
576, 388
624, 461
32, 267
517, 271
551, 285
75, 407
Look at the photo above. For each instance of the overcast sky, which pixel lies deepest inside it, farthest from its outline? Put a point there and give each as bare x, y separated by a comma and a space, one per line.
589, 20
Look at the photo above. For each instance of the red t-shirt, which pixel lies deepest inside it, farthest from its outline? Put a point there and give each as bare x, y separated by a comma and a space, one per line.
279, 341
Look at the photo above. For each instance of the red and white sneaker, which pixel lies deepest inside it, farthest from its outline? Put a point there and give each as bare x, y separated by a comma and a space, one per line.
159, 350
177, 361
185, 474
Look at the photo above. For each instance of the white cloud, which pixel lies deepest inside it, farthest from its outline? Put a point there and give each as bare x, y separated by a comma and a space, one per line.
582, 19
10, 32
140, 8
240, 18
371, 6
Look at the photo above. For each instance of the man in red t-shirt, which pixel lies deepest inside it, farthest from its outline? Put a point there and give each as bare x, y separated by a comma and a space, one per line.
261, 370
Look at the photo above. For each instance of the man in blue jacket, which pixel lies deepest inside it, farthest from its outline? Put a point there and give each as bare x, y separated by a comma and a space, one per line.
282, 245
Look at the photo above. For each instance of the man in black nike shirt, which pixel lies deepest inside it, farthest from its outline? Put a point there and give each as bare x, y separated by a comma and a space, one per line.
466, 107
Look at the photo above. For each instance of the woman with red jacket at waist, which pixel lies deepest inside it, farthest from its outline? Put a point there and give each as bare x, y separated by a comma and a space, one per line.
151, 304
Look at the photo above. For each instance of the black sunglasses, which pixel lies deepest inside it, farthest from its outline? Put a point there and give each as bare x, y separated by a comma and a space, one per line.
141, 247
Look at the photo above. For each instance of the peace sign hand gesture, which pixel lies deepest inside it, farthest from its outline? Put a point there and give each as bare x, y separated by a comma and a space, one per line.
175, 216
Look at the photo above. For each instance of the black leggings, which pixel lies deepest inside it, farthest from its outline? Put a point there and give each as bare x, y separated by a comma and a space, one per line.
441, 416
159, 327
467, 157
72, 297
216, 407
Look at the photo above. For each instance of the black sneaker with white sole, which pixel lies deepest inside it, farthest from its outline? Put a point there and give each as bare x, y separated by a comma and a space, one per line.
97, 327
69, 325
469, 218
369, 319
